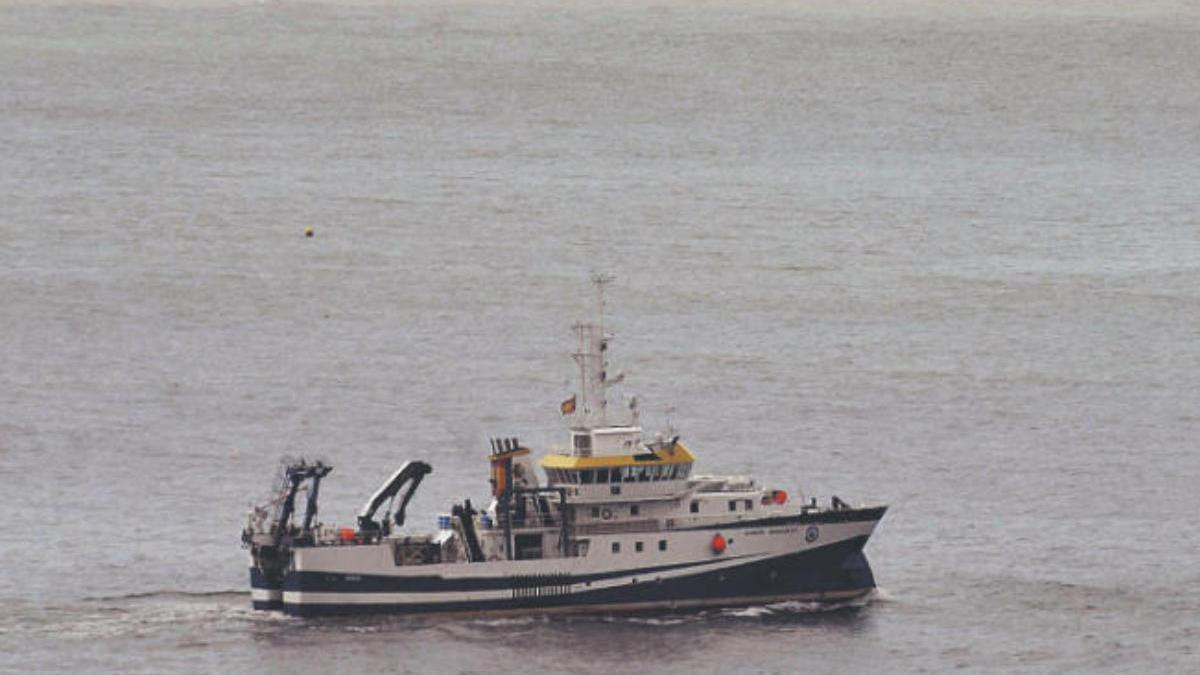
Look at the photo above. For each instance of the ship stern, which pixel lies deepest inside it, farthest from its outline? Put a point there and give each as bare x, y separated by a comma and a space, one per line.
265, 593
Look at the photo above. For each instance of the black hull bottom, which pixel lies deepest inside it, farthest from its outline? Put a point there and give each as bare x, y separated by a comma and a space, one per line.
833, 574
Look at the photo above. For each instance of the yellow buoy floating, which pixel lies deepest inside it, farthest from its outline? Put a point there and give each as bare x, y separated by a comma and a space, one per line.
308, 231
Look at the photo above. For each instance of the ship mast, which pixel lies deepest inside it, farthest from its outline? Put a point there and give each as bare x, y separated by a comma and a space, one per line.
593, 364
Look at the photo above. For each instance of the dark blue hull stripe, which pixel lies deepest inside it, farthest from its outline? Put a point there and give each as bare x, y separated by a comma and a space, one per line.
817, 518
836, 571
325, 582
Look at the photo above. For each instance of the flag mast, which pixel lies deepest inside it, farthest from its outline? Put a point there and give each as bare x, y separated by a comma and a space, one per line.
593, 376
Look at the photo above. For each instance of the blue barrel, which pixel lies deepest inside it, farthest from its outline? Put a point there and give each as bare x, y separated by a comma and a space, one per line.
485, 521
443, 522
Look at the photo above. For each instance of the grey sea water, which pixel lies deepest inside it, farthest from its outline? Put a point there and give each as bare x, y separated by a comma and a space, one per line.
943, 255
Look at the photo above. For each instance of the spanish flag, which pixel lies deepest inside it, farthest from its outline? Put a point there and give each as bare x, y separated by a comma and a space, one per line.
568, 406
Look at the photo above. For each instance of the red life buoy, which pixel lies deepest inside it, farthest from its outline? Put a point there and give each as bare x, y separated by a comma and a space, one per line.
718, 544
779, 496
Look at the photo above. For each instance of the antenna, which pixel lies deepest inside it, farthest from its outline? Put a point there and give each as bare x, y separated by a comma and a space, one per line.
600, 281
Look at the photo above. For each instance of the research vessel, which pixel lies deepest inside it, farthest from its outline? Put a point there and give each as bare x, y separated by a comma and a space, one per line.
616, 521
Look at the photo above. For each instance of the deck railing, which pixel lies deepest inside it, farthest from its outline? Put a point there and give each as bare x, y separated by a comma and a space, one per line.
532, 521
619, 527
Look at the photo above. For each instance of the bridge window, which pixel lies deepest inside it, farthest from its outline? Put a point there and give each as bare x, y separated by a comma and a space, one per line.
595, 511
616, 547
695, 507
634, 510
662, 544
749, 504
586, 476
583, 442
733, 505
601, 475
638, 547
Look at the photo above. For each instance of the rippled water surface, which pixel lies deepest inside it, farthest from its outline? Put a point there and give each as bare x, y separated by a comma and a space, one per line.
941, 255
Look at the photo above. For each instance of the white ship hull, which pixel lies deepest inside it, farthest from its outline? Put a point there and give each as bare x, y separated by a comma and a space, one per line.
810, 557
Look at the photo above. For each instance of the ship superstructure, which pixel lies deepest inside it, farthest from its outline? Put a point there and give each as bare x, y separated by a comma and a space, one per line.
620, 523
